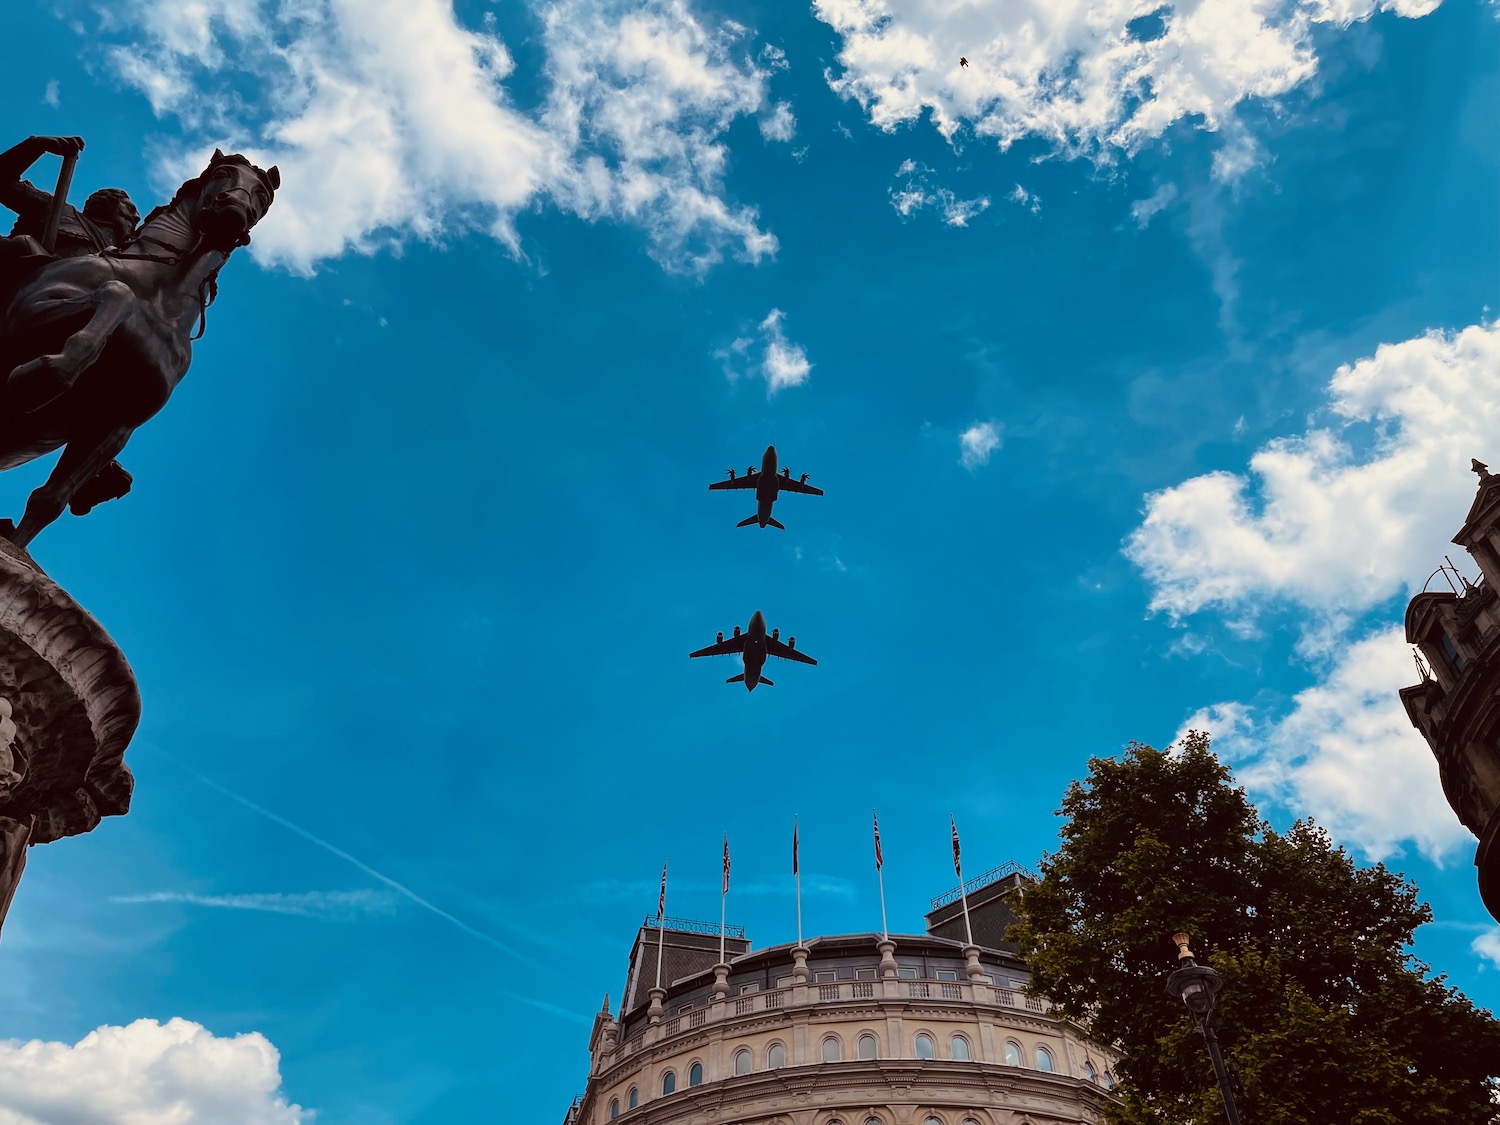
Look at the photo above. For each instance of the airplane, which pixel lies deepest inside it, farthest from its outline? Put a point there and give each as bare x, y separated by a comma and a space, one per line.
754, 646
767, 485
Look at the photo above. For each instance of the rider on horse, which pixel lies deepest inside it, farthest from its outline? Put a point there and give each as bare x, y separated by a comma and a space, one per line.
108, 219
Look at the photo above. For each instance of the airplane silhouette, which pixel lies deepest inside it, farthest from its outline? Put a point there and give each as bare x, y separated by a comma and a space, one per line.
754, 646
767, 485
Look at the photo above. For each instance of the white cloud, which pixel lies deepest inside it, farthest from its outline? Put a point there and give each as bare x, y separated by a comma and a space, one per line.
1026, 199
779, 124
147, 1073
50, 96
1346, 754
391, 120
785, 363
1071, 72
1487, 944
1352, 511
306, 904
919, 191
977, 443
1144, 210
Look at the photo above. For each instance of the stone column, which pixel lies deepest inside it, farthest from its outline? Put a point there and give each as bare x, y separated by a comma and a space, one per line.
721, 982
889, 988
973, 968
653, 1013
68, 708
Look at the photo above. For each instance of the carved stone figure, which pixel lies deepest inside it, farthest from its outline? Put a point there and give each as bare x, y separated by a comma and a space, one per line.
91, 346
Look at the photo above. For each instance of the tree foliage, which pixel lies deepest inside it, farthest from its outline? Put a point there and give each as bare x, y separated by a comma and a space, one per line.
1324, 1011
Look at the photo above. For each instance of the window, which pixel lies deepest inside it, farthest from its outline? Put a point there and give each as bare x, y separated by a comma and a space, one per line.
742, 1061
947, 974
783, 982
1089, 1072
614, 1108
864, 974
924, 1046
872, 1121
1043, 1059
1109, 1080
907, 974
1450, 651
868, 1047
753, 986
668, 1082
695, 1074
1013, 1054
775, 1057
634, 1098
684, 1008
822, 976
933, 1121
833, 1050
958, 1047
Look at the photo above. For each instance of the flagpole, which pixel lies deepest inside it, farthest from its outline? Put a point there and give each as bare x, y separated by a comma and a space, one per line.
959, 871
885, 932
797, 875
661, 921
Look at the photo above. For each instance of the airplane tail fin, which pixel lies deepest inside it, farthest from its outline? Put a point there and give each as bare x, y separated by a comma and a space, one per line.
776, 523
736, 679
748, 522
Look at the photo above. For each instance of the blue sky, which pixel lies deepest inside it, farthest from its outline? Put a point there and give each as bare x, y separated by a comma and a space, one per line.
1141, 365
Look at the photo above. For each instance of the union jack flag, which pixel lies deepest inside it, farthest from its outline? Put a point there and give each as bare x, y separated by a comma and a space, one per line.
956, 869
726, 864
878, 859
661, 901
794, 847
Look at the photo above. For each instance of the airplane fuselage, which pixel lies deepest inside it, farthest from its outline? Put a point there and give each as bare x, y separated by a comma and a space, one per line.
754, 653
766, 489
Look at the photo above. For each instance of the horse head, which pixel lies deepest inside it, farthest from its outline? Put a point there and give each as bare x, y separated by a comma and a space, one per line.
232, 195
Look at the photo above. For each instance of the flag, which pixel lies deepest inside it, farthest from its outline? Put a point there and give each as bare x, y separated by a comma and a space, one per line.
878, 860
957, 870
661, 901
794, 846
726, 864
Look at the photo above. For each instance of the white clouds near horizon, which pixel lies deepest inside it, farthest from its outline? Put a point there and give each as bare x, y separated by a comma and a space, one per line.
1073, 72
389, 119
146, 1073
1341, 518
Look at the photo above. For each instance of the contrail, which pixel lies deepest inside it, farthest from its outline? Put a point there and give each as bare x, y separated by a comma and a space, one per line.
365, 867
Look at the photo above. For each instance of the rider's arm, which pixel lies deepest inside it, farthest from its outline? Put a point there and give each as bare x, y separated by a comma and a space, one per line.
15, 193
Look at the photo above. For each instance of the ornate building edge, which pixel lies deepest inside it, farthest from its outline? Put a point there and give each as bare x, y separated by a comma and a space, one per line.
1487, 860
42, 615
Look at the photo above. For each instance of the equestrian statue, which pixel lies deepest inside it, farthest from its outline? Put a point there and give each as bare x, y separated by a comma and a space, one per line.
98, 316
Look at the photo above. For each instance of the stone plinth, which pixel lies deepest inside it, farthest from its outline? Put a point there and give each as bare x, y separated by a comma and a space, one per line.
68, 708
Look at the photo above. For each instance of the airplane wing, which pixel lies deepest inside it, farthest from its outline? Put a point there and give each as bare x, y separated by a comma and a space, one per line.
787, 484
786, 652
737, 482
722, 648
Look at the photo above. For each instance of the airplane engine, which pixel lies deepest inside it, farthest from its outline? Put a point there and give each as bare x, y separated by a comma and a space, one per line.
719, 638
736, 630
775, 634
804, 478
791, 642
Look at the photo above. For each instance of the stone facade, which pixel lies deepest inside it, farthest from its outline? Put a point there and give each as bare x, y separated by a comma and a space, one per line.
1457, 704
845, 1030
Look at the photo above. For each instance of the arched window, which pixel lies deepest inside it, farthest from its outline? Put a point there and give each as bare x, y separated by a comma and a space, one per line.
872, 1121
833, 1050
614, 1108
695, 1074
933, 1121
633, 1099
1089, 1072
1043, 1059
742, 1063
924, 1046
775, 1057
1013, 1054
1109, 1080
958, 1047
869, 1047
668, 1082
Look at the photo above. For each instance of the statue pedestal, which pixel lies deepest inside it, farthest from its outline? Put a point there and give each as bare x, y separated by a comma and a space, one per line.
68, 708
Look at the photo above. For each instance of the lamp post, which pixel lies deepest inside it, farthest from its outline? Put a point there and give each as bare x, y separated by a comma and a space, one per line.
1196, 986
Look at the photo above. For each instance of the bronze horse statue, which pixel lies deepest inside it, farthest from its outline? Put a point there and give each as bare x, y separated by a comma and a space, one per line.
93, 346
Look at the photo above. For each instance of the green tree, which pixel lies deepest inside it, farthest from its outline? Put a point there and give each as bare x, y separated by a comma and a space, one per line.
1324, 1011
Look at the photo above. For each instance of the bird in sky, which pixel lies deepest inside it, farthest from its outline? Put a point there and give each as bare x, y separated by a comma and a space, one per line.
963, 61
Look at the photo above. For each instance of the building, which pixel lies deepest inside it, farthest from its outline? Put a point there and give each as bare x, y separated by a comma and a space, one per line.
1457, 704
853, 1029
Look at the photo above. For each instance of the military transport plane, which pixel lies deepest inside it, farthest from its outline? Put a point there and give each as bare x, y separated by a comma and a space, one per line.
754, 646
766, 484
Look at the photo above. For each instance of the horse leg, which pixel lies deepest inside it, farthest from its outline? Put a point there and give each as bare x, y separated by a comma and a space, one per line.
80, 462
34, 384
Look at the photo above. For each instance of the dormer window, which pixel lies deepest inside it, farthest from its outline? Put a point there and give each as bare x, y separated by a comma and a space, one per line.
1451, 656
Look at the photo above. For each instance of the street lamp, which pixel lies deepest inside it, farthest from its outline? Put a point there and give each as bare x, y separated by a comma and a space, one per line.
1196, 986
